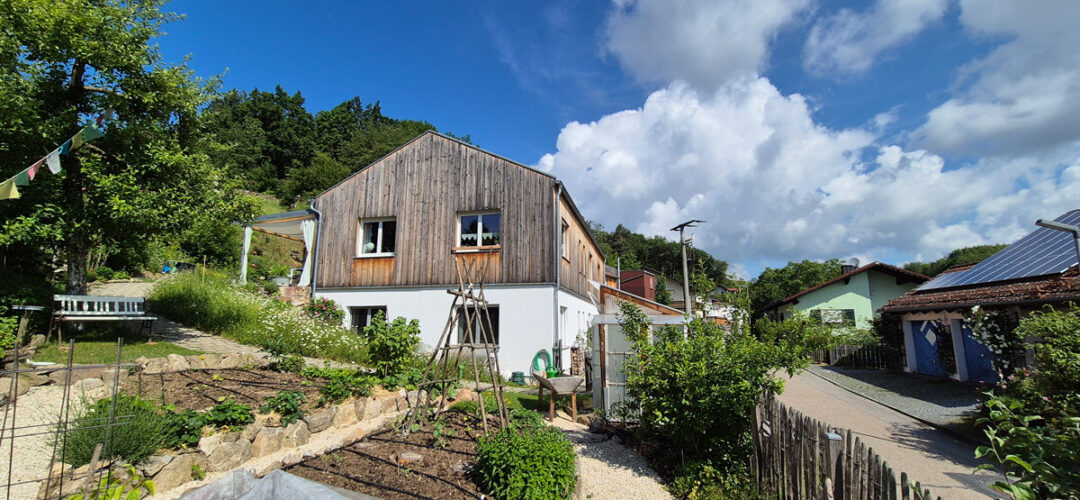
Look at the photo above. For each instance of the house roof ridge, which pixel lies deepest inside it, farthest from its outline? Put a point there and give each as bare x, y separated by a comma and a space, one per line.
878, 265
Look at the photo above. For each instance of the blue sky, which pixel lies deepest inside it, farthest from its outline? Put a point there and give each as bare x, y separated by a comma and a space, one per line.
890, 130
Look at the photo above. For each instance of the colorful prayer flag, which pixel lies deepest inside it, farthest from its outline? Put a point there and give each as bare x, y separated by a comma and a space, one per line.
77, 139
22, 178
91, 132
8, 191
65, 148
53, 161
32, 171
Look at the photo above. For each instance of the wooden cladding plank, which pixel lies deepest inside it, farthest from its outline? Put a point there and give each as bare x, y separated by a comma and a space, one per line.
425, 185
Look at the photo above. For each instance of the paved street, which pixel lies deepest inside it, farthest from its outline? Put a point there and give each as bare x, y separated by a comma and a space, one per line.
938, 460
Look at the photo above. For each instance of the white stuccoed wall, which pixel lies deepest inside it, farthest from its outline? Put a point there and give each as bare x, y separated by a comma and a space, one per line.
525, 316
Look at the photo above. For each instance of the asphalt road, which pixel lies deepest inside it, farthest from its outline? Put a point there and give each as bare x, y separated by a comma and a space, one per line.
941, 462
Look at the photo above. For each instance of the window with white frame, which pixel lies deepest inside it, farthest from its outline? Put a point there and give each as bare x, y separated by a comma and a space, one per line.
362, 316
377, 237
835, 316
479, 229
470, 330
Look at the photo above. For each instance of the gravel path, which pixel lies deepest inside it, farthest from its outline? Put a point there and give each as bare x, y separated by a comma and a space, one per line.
39, 406
607, 469
943, 463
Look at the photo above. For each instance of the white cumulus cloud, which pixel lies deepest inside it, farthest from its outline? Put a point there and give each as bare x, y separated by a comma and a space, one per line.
1024, 96
849, 42
705, 43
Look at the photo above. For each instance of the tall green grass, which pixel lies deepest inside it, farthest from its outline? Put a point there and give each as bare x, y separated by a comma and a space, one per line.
212, 304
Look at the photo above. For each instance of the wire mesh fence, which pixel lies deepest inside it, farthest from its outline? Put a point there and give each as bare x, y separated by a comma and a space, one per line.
37, 427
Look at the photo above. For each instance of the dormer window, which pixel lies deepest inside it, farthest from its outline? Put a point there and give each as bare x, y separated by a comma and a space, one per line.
479, 229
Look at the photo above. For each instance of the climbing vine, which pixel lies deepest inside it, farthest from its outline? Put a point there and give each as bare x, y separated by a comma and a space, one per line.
996, 330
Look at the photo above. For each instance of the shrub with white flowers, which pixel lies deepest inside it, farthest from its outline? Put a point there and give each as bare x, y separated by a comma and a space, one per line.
996, 330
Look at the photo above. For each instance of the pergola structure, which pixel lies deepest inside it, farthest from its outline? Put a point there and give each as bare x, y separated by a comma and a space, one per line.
298, 225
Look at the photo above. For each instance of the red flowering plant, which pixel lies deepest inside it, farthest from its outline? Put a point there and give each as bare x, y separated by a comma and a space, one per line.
324, 309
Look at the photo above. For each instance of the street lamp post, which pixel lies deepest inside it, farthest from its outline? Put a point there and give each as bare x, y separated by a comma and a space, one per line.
681, 228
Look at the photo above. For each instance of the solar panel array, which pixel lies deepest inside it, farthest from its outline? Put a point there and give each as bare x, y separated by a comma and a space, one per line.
1044, 251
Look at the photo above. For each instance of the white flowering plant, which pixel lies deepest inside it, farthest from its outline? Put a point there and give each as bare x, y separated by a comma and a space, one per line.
996, 330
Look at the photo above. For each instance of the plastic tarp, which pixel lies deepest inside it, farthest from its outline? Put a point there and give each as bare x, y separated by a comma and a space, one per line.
277, 485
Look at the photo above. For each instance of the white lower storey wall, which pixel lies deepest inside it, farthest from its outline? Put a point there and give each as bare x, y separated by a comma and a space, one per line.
525, 316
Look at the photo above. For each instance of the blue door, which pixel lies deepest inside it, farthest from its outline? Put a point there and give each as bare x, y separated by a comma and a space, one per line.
980, 361
925, 335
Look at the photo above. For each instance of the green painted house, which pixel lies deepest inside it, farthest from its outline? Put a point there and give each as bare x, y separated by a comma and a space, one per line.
853, 298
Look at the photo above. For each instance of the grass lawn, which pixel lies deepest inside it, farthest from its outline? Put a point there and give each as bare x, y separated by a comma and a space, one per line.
100, 348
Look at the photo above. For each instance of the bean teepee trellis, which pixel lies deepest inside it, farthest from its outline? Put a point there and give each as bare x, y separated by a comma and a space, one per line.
470, 310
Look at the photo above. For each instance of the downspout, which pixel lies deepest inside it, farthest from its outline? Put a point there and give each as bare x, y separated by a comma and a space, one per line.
555, 352
315, 251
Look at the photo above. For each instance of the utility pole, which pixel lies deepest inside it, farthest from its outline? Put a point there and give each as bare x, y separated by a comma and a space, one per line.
681, 228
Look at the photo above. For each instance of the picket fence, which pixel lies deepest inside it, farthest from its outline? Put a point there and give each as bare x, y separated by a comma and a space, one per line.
867, 357
796, 457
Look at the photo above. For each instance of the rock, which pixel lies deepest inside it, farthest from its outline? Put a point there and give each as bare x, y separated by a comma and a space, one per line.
292, 459
320, 419
154, 463
465, 394
142, 361
374, 408
268, 441
401, 403
208, 444
59, 376
87, 385
230, 360
36, 341
196, 362
359, 406
178, 471
109, 375
409, 457
229, 456
268, 468
461, 468
583, 420
413, 398
598, 426
5, 386
253, 428
345, 414
156, 365
297, 434
229, 437
177, 363
356, 435
211, 361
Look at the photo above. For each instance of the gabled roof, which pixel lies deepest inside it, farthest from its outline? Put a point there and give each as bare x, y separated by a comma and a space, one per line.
661, 308
873, 266
566, 193
1042, 290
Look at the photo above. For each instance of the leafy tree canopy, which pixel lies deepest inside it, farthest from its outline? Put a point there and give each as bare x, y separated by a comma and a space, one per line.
63, 62
774, 284
958, 257
635, 251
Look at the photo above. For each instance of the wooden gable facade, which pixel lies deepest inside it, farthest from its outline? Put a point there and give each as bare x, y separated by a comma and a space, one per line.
424, 186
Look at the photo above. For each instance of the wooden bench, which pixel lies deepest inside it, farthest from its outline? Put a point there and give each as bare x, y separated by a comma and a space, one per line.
78, 308
558, 386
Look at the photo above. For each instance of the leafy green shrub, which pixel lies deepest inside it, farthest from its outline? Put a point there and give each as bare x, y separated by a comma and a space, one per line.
1040, 459
138, 432
182, 429
105, 273
1057, 379
391, 345
695, 394
326, 310
340, 383
229, 413
112, 487
218, 307
701, 480
468, 407
9, 327
526, 463
121, 275
291, 363
287, 404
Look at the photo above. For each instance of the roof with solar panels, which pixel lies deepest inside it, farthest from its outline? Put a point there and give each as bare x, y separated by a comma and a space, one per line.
1037, 269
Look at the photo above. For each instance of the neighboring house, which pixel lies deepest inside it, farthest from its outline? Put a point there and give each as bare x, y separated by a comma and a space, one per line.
390, 235
852, 298
639, 282
1036, 270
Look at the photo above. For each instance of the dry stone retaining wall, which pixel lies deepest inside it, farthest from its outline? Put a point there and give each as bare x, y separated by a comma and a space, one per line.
261, 446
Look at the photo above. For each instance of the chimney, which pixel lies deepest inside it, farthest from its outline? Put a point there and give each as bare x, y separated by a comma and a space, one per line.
846, 268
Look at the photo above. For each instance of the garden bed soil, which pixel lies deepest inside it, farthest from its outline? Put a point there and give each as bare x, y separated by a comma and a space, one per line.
370, 465
202, 389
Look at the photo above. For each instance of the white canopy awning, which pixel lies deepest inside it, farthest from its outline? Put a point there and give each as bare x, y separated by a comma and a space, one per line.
298, 225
